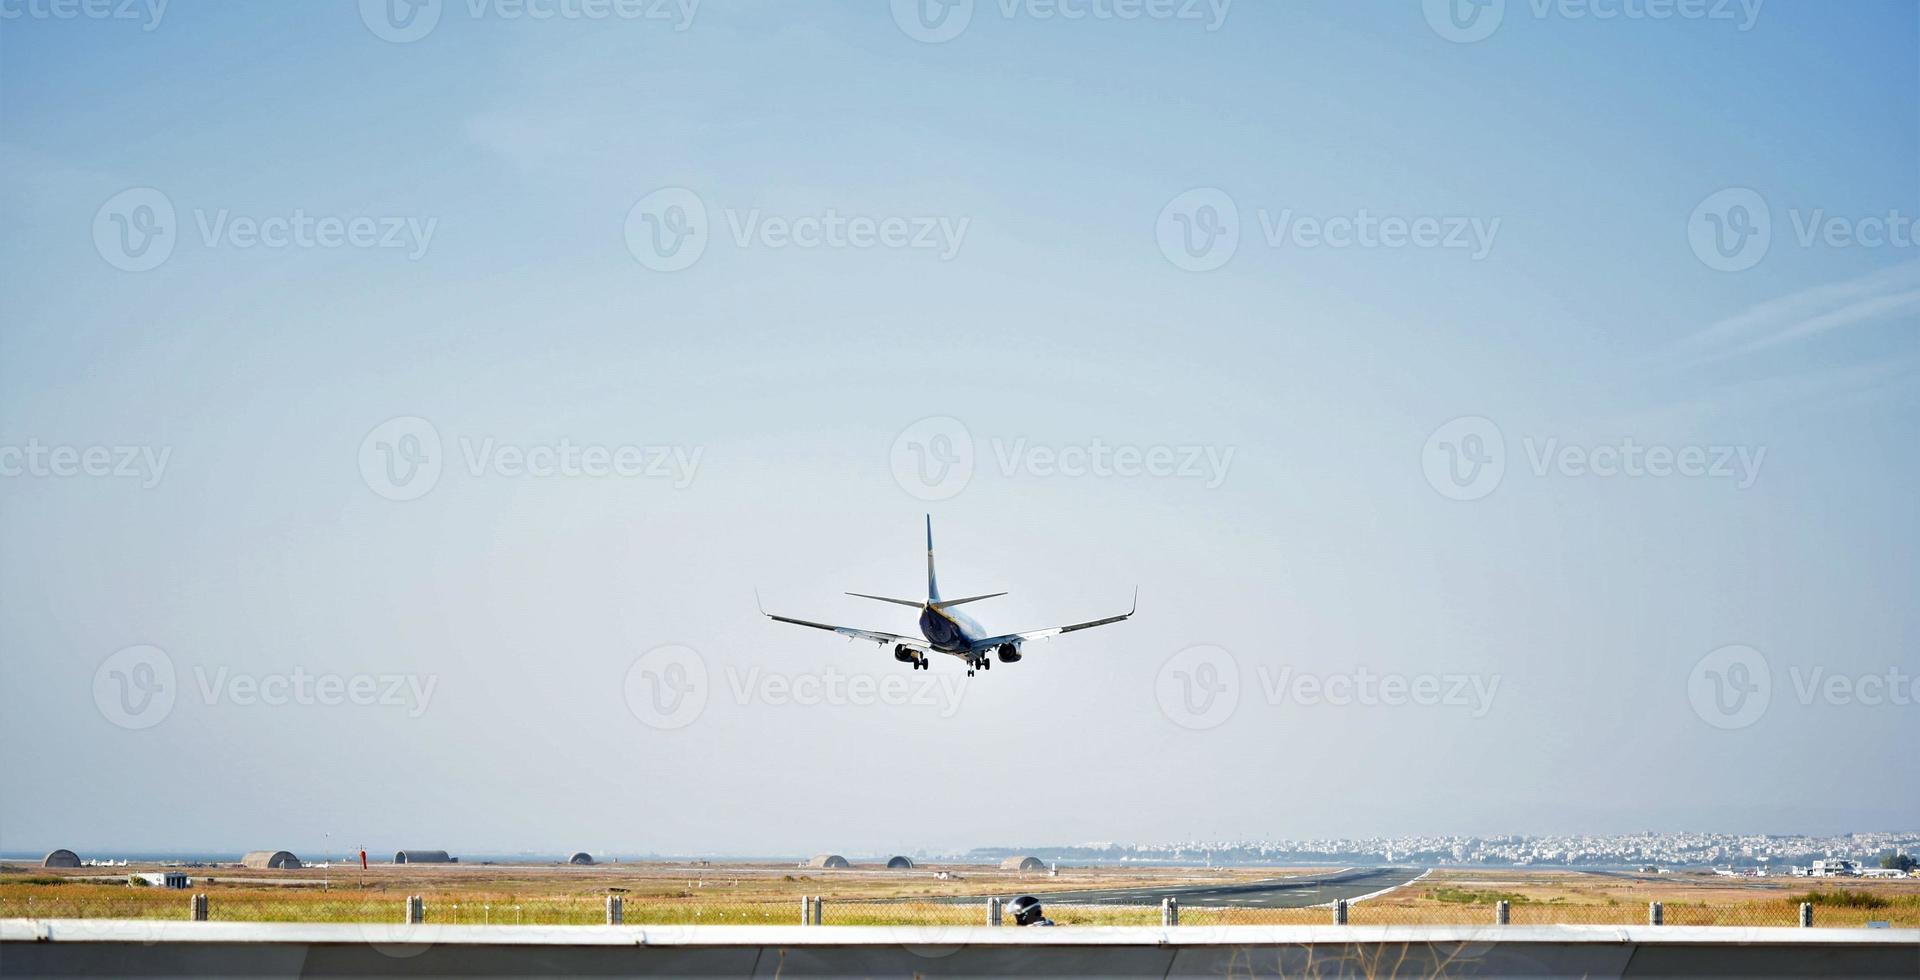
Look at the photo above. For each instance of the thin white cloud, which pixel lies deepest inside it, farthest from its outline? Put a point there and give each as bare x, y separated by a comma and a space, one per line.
1810, 312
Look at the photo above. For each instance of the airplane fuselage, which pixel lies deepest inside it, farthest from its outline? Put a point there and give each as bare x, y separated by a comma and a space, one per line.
945, 631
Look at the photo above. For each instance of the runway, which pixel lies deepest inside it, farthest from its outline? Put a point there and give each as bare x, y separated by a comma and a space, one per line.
1274, 893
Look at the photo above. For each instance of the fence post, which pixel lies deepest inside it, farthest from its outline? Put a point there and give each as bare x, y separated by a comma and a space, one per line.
1656, 914
616, 910
1503, 912
806, 910
416, 910
1806, 915
198, 910
993, 911
1340, 912
819, 909
1169, 911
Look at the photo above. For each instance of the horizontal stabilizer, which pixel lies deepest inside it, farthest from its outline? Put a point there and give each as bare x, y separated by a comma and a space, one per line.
915, 603
972, 598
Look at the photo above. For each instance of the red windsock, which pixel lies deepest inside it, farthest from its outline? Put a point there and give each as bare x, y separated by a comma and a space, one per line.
363, 859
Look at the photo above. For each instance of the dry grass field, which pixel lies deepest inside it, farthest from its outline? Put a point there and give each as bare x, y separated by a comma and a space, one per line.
749, 894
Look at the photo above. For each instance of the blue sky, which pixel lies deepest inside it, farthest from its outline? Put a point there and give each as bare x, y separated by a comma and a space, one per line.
1583, 160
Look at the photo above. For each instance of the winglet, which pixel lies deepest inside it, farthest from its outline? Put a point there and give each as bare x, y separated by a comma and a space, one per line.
757, 604
1136, 601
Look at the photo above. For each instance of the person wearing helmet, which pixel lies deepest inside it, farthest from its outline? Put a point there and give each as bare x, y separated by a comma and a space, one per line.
1027, 912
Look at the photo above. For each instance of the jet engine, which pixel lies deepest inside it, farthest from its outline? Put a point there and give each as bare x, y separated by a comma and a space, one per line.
1009, 652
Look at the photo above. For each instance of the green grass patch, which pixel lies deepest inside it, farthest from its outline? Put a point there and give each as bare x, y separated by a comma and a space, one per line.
1467, 896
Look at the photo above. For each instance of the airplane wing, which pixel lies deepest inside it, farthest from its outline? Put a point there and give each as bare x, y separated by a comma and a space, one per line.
871, 636
994, 641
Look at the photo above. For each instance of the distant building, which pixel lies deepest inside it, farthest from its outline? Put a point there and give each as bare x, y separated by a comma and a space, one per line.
270, 859
580, 857
829, 861
1835, 868
423, 857
900, 861
1023, 863
61, 858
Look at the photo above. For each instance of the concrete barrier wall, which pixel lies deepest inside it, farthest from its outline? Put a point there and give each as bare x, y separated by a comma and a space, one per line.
71, 948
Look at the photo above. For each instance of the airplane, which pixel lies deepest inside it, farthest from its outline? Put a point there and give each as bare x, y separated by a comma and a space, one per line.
945, 630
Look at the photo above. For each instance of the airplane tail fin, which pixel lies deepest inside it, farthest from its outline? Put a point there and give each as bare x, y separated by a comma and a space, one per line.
933, 587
